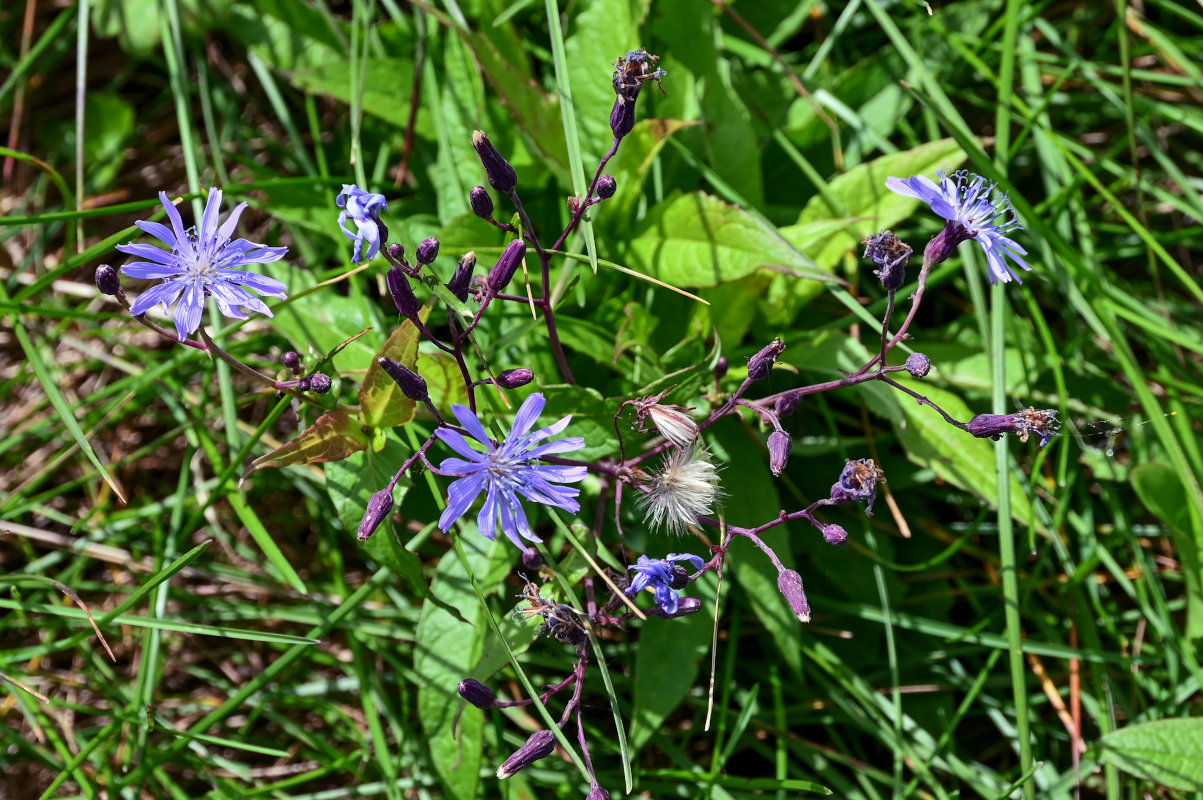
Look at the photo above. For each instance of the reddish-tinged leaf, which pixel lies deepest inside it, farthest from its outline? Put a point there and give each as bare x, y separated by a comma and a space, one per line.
332, 437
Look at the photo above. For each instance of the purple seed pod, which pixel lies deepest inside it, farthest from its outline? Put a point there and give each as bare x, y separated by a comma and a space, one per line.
501, 175
514, 378
411, 383
540, 745
107, 280
428, 251
403, 294
790, 584
501, 274
461, 281
477, 693
787, 404
1031, 421
292, 362
918, 365
779, 447
890, 254
606, 186
318, 383
379, 507
482, 204
396, 251
761, 364
834, 534
532, 559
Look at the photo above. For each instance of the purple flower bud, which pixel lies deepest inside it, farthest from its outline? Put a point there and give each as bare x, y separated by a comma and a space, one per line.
501, 175
477, 693
834, 534
606, 185
858, 482
396, 251
720, 368
412, 384
514, 378
461, 281
790, 584
379, 507
779, 447
787, 404
597, 793
685, 607
318, 383
891, 255
482, 204
918, 365
501, 274
107, 280
761, 364
428, 251
403, 294
622, 116
1040, 422
531, 558
541, 744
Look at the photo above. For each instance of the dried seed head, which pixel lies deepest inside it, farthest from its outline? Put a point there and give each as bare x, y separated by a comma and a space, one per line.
890, 254
674, 423
858, 482
1031, 421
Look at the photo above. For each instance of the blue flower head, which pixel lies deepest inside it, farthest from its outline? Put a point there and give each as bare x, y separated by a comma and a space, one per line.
507, 470
658, 574
972, 210
362, 208
201, 263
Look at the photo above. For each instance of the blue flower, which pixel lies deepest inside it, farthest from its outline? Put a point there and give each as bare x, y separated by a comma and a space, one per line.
199, 264
362, 208
658, 573
506, 471
973, 210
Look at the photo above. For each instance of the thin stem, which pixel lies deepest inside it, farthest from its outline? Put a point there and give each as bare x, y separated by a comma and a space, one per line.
916, 298
923, 401
885, 327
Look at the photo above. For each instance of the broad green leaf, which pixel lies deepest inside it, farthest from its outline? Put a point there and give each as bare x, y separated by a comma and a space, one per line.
697, 240
632, 164
592, 418
834, 354
461, 94
382, 403
1168, 752
321, 321
332, 437
1160, 489
388, 85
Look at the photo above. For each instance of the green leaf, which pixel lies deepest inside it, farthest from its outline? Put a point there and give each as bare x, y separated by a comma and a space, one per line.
1168, 752
698, 240
321, 321
592, 418
382, 403
332, 437
603, 31
631, 166
1160, 489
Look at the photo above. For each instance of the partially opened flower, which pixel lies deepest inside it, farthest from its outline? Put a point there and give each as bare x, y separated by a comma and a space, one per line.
664, 576
508, 470
362, 208
972, 210
201, 263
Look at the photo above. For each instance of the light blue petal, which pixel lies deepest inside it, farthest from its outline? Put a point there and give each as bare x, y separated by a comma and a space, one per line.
183, 243
457, 443
471, 423
164, 293
188, 311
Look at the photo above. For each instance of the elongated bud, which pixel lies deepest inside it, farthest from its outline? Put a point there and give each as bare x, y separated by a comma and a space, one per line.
107, 280
540, 745
318, 383
779, 447
428, 251
461, 281
482, 204
606, 186
501, 175
292, 362
411, 383
720, 368
918, 365
403, 294
501, 274
514, 378
379, 507
790, 584
890, 255
622, 116
761, 364
477, 693
597, 793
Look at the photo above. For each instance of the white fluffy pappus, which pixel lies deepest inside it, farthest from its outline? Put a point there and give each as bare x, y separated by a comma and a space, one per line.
685, 488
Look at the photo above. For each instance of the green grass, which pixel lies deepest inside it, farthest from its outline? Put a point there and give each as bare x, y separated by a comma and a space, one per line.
1006, 610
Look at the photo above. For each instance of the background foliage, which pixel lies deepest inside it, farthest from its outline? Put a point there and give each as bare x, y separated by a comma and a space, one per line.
258, 650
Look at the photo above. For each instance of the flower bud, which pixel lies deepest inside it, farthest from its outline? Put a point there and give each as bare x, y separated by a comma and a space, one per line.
890, 254
622, 116
428, 251
918, 365
834, 534
477, 693
721, 367
292, 361
685, 607
461, 281
380, 505
403, 294
514, 378
411, 383
318, 383
597, 793
501, 274
787, 404
761, 364
790, 584
606, 185
541, 744
531, 558
482, 204
779, 447
501, 175
396, 251
107, 280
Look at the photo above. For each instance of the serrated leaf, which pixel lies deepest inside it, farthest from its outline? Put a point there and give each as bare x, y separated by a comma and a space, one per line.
333, 436
1168, 752
697, 240
382, 403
